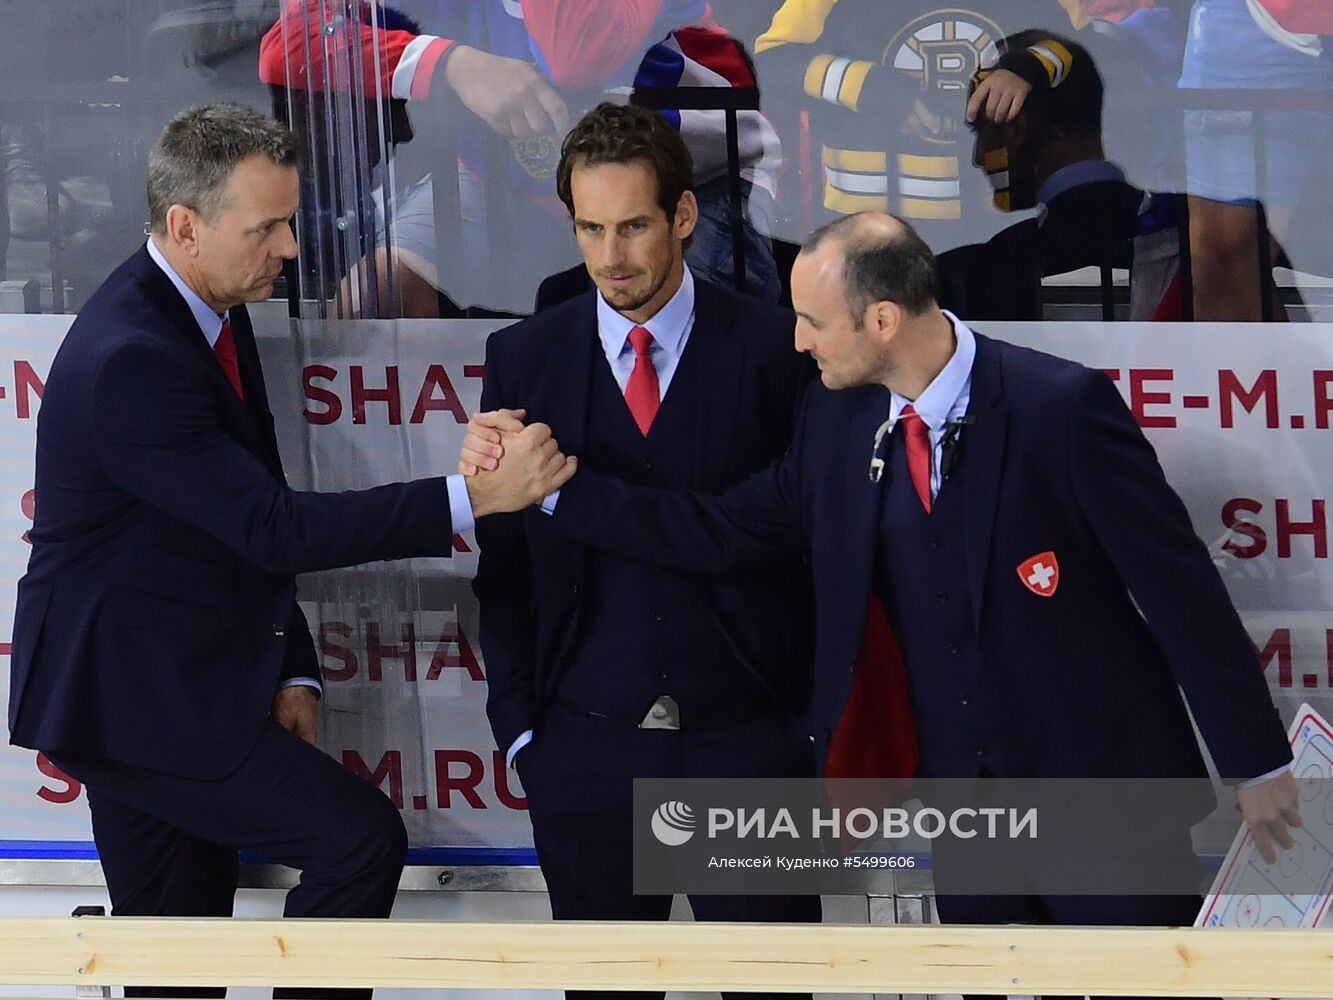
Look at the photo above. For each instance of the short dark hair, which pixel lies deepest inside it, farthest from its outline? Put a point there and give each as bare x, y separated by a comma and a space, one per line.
200, 147
880, 266
622, 133
1074, 108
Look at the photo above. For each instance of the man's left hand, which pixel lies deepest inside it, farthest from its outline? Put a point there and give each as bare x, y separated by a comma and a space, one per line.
1270, 808
998, 98
294, 711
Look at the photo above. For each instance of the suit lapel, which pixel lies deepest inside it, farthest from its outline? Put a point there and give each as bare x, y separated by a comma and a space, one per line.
185, 329
566, 391
861, 498
252, 381
716, 350
983, 457
568, 376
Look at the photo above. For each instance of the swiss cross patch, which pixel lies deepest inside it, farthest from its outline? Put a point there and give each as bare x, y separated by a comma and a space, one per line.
1040, 574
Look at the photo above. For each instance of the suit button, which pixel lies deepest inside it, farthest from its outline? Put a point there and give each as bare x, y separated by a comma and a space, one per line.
953, 647
965, 701
942, 597
980, 752
658, 619
575, 590
933, 542
279, 630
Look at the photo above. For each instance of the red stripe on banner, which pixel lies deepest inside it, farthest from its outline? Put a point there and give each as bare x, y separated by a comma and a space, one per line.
1195, 402
4, 649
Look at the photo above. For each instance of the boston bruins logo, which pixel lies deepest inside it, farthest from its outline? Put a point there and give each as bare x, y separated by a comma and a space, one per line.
942, 49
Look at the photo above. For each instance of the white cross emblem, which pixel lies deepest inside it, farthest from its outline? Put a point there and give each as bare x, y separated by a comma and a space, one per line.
1041, 576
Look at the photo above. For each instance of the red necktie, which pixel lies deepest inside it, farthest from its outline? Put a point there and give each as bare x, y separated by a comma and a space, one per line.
225, 349
918, 452
641, 392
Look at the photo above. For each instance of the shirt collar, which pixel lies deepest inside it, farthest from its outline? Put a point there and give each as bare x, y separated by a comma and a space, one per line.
1076, 175
667, 326
937, 404
210, 323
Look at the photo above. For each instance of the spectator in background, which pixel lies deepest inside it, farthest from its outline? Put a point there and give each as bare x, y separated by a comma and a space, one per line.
885, 85
1037, 114
301, 82
517, 68
1251, 44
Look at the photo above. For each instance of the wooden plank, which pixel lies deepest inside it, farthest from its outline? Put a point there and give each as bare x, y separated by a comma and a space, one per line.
677, 956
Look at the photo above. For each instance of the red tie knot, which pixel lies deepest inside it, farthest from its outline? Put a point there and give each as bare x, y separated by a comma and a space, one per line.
641, 340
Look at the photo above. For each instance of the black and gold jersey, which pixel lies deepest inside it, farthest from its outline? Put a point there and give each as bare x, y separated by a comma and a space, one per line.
886, 85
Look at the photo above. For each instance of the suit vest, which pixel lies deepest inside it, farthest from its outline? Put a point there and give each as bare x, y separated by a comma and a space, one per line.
921, 575
646, 631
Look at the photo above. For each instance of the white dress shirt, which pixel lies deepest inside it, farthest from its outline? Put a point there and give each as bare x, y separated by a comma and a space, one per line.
945, 399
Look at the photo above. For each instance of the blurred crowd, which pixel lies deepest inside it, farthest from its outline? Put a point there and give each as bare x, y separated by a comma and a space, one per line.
1144, 159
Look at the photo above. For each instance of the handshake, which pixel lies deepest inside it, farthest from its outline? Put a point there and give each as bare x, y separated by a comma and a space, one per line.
509, 465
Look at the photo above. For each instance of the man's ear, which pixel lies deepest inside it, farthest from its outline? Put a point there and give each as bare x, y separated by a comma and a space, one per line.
182, 228
687, 216
882, 319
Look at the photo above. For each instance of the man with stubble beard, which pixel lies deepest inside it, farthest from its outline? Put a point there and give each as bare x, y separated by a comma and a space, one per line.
604, 669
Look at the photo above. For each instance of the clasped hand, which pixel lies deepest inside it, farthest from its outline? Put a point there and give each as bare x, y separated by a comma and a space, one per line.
533, 466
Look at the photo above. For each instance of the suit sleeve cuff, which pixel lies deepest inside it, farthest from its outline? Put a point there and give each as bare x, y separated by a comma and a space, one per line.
523, 739
1279, 772
460, 504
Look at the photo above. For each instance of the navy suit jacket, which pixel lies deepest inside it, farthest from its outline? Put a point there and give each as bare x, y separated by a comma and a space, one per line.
529, 576
1079, 684
158, 614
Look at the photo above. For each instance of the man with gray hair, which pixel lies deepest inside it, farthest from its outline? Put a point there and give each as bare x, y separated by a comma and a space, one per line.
159, 654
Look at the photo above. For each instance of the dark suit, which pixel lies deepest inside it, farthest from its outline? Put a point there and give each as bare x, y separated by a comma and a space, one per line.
1090, 225
1078, 684
158, 616
563, 626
